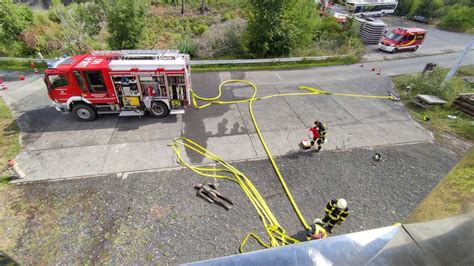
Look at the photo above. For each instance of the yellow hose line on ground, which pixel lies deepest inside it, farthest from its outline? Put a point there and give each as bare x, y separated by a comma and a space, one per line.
276, 233
318, 91
214, 100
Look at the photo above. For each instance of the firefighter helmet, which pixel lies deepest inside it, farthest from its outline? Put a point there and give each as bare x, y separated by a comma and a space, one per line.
341, 204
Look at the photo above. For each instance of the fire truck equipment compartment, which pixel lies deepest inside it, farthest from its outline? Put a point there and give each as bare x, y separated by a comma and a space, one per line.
130, 81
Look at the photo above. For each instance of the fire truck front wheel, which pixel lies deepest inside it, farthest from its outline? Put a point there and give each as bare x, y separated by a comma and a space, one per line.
159, 109
84, 112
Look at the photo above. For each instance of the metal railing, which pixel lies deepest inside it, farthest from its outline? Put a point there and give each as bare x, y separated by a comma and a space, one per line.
264, 60
217, 62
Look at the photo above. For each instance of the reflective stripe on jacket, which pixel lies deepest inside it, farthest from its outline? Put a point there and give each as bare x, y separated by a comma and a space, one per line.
323, 130
334, 212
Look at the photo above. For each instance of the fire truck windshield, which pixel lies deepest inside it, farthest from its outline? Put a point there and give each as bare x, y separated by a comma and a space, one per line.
394, 36
57, 81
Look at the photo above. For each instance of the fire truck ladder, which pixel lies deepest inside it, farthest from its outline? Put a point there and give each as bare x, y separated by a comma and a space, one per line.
150, 54
139, 54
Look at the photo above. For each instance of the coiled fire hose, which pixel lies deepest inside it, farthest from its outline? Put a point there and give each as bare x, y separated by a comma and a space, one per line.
277, 235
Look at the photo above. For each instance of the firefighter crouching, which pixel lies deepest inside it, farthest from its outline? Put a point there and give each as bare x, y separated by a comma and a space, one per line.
317, 230
336, 213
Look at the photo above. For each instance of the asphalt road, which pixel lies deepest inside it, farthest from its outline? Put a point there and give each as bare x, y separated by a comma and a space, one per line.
437, 41
155, 217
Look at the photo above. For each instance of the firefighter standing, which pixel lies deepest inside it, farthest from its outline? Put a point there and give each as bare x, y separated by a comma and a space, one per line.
336, 213
319, 134
322, 130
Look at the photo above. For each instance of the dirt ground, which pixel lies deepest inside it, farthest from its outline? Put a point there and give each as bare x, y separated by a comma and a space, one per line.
155, 217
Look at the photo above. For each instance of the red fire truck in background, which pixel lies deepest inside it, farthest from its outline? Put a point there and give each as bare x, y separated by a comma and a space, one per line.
403, 39
127, 82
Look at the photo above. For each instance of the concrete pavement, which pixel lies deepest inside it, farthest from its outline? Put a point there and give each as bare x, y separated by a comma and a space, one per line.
56, 146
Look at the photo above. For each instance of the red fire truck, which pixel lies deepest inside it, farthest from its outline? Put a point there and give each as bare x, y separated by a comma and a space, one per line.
403, 39
127, 82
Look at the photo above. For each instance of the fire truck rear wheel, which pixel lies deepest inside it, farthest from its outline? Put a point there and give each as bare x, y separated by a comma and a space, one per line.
159, 109
84, 112
415, 48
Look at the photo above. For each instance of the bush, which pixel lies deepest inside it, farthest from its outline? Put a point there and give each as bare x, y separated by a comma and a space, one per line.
335, 38
74, 36
13, 20
229, 15
459, 18
199, 29
187, 46
425, 8
42, 36
430, 84
223, 40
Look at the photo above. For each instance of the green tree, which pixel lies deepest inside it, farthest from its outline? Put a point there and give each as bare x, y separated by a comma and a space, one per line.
126, 21
301, 20
459, 18
13, 20
268, 35
425, 8
403, 7
93, 14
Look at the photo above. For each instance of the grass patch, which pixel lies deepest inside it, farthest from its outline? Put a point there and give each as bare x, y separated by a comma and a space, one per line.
274, 66
9, 139
410, 85
466, 70
20, 65
454, 195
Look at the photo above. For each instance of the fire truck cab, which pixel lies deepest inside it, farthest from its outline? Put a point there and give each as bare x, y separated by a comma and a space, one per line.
403, 39
127, 82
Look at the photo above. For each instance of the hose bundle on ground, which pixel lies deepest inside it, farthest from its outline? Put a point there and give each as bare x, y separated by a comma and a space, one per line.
277, 235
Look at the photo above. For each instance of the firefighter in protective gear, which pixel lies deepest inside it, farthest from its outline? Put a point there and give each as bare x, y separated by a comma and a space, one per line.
317, 230
319, 134
322, 131
336, 213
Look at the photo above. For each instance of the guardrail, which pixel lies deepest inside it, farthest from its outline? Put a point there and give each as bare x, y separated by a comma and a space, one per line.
217, 62
37, 60
264, 60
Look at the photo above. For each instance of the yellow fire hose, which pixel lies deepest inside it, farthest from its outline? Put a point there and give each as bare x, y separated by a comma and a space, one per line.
276, 233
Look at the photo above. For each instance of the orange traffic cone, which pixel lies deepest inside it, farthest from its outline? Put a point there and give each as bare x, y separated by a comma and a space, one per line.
2, 85
22, 77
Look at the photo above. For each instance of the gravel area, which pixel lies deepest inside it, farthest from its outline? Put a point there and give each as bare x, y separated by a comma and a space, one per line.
155, 217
